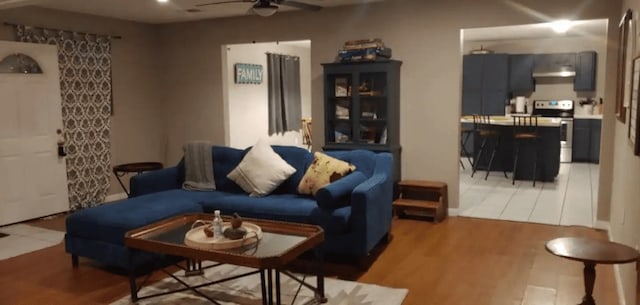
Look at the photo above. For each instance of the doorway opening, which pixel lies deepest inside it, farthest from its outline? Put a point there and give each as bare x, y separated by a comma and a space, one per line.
495, 56
246, 101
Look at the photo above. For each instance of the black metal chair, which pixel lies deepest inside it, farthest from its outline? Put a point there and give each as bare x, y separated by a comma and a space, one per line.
488, 134
525, 129
465, 133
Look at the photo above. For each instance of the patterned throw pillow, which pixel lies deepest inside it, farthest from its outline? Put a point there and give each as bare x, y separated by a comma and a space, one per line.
261, 170
322, 171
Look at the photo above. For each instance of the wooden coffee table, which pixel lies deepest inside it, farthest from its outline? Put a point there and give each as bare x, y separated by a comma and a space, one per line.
281, 243
591, 252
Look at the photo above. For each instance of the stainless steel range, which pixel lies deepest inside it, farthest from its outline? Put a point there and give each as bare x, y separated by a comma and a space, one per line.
562, 109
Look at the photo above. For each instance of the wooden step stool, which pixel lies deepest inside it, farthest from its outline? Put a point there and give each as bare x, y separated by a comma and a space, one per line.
426, 197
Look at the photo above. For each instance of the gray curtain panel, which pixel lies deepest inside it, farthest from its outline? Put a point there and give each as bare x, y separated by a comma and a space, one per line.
285, 112
85, 84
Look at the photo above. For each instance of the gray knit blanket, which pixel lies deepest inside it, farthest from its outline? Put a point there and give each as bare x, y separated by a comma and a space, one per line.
198, 167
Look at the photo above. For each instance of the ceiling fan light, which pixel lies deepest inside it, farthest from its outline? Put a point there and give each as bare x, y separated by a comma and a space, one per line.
561, 26
265, 11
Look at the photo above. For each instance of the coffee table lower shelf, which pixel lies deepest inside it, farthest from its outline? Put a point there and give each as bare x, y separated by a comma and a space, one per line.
267, 284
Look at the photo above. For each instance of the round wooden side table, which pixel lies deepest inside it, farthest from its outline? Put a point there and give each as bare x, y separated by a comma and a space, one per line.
137, 167
591, 252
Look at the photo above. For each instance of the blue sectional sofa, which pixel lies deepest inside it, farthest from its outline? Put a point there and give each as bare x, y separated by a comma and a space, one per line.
356, 214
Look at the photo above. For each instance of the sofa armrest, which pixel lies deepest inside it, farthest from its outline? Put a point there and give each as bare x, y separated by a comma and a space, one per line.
338, 193
371, 204
154, 181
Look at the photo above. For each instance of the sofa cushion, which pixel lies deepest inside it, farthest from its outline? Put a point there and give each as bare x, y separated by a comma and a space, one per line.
109, 222
338, 193
300, 159
323, 170
225, 159
261, 170
283, 207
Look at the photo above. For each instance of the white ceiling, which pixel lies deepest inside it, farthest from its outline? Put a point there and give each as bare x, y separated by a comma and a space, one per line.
595, 28
150, 11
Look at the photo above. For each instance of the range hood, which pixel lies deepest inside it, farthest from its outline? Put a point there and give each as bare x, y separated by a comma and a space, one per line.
556, 71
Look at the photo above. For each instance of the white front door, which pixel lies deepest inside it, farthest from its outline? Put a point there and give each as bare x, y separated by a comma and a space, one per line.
33, 178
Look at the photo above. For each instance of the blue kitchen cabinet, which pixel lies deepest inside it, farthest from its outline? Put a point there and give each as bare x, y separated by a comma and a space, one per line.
472, 72
495, 72
471, 102
581, 141
485, 84
521, 79
596, 128
586, 140
493, 101
585, 79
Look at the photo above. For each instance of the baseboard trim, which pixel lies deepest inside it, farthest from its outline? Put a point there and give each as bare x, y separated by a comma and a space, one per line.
603, 225
619, 288
453, 212
616, 267
115, 197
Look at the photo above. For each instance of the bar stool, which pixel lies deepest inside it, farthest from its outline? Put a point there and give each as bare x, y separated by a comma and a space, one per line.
465, 133
525, 130
487, 133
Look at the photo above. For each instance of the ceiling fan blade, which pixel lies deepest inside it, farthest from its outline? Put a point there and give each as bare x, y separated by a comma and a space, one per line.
300, 5
224, 2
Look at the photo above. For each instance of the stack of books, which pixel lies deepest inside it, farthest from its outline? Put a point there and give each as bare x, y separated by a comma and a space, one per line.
364, 50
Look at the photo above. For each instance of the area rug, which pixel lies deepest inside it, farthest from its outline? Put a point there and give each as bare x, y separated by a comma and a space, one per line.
23, 238
246, 291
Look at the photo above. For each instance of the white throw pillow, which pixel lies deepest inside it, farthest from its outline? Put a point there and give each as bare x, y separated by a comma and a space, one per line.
261, 170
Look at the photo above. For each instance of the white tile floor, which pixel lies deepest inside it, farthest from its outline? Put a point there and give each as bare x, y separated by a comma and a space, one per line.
25, 238
570, 200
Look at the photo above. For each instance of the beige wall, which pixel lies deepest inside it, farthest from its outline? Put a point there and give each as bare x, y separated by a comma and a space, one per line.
625, 208
167, 82
425, 35
137, 126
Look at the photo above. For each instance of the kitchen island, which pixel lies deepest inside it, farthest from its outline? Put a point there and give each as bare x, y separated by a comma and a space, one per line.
548, 144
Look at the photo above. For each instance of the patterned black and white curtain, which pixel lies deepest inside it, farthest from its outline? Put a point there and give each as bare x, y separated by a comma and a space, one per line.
85, 84
285, 110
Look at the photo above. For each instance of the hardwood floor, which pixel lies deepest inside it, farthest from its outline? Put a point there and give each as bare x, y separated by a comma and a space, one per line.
458, 261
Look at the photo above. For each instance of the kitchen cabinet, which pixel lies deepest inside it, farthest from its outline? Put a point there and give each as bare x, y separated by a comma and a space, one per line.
485, 83
521, 79
596, 129
548, 145
586, 140
362, 107
585, 79
555, 60
581, 145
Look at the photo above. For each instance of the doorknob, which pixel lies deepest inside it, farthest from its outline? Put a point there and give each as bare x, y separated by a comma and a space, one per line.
60, 142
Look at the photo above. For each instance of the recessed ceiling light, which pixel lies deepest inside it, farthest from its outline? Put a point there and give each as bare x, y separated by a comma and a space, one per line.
162, 1
561, 26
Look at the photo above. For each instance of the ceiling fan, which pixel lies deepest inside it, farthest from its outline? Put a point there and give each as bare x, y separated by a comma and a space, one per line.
266, 8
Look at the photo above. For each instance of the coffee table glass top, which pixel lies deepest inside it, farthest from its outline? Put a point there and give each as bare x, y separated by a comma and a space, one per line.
280, 240
271, 244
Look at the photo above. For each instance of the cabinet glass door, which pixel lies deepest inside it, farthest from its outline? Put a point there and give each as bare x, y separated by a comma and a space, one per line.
372, 110
340, 108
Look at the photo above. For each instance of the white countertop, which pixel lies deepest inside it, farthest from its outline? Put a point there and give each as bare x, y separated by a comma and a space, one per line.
508, 121
588, 116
